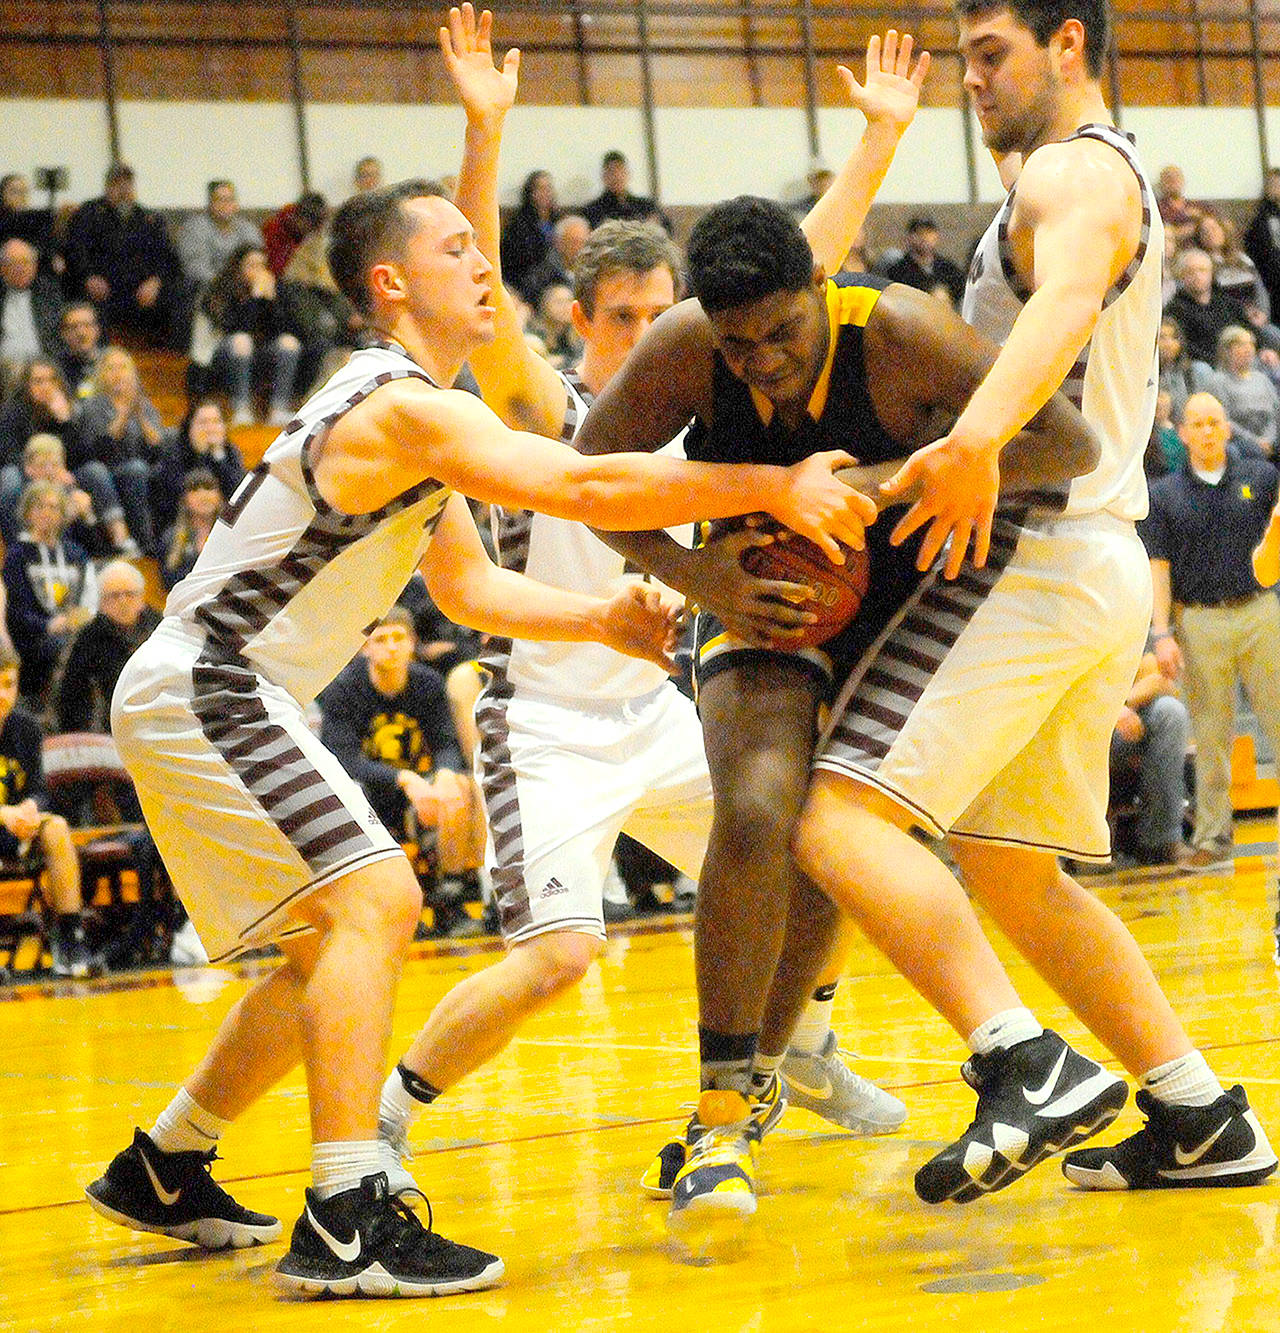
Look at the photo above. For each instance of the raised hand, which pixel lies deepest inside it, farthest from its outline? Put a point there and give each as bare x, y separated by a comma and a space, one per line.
467, 47
817, 505
958, 486
891, 93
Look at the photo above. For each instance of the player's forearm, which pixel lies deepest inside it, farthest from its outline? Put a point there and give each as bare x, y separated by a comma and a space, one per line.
657, 553
1042, 347
1161, 597
477, 195
1266, 555
833, 223
500, 601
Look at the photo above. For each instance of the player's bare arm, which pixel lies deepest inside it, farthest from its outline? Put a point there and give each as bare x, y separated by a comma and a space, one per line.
1266, 555
888, 98
471, 590
1065, 191
521, 386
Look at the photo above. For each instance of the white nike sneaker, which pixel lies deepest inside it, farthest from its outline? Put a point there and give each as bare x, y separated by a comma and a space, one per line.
825, 1085
1034, 1099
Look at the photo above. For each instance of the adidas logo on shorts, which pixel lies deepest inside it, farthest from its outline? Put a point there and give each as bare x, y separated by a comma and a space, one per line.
552, 887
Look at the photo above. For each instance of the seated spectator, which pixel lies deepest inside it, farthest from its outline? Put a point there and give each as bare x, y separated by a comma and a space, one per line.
200, 442
44, 459
100, 650
386, 717
80, 346
124, 433
1249, 397
1262, 238
325, 319
554, 326
367, 175
51, 587
209, 238
30, 304
41, 405
1177, 212
1172, 453
1198, 305
284, 231
568, 237
922, 267
526, 238
119, 256
197, 513
251, 327
26, 823
1180, 376
817, 181
33, 225
1233, 271
616, 199
1149, 761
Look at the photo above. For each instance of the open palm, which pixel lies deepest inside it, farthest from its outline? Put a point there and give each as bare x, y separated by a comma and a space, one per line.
891, 92
467, 48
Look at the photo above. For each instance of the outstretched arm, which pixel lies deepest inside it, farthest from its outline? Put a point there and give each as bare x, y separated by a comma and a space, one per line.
520, 386
888, 99
1266, 555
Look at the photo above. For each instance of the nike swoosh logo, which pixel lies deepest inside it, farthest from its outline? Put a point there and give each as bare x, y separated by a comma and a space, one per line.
1038, 1096
166, 1197
348, 1252
1192, 1157
821, 1093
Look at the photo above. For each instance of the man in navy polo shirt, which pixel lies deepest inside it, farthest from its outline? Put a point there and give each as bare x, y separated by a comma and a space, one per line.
1211, 618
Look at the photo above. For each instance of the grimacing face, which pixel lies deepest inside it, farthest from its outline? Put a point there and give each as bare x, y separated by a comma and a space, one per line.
775, 344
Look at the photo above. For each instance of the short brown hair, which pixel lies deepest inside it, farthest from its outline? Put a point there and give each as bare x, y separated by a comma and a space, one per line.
621, 247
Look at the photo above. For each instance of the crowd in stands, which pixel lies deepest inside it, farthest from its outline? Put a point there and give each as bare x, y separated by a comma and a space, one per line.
96, 485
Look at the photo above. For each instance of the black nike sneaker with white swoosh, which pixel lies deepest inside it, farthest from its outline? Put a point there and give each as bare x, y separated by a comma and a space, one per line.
366, 1242
1034, 1099
174, 1194
1180, 1147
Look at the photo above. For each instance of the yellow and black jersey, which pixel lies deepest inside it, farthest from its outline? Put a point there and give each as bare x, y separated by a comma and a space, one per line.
745, 428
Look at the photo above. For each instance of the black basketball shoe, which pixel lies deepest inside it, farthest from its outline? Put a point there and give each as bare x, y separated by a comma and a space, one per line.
1034, 1099
367, 1242
1180, 1147
174, 1194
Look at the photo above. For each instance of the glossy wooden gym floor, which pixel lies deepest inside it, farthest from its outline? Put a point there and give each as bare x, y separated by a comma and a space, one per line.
538, 1159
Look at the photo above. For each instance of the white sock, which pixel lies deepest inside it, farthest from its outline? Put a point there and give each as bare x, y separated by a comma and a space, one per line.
1003, 1030
398, 1106
336, 1167
1186, 1081
811, 1031
763, 1068
185, 1126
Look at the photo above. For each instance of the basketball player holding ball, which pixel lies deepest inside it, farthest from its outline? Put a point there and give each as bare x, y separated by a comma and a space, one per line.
775, 361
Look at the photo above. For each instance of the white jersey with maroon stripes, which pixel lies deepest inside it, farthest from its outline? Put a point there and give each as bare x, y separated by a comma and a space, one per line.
1114, 380
566, 555
286, 581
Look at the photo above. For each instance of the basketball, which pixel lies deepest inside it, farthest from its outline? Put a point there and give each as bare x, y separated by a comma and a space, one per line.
838, 589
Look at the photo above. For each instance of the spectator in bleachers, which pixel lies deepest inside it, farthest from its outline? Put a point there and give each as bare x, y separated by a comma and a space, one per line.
922, 267
616, 199
1177, 212
526, 238
209, 238
568, 236
33, 225
41, 405
119, 256
320, 309
30, 303
367, 175
284, 231
1262, 239
51, 586
201, 441
1170, 452
197, 513
251, 324
817, 180
44, 459
1210, 617
1200, 307
125, 434
1180, 376
79, 347
554, 326
100, 650
1248, 396
25, 823
1233, 271
387, 719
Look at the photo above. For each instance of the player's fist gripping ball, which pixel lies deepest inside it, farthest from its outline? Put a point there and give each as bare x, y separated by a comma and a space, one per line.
838, 589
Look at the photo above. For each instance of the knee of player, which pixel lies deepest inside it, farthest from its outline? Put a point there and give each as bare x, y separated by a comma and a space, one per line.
561, 959
755, 819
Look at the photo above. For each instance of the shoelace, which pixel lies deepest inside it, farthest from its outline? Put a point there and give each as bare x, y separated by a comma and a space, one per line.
410, 1226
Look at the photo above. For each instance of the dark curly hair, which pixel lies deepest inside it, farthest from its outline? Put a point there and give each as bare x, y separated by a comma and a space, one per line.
746, 248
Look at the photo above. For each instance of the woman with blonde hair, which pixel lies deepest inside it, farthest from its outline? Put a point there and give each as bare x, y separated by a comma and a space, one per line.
1248, 396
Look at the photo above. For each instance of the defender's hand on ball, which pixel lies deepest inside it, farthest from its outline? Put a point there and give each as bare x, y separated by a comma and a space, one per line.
816, 504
